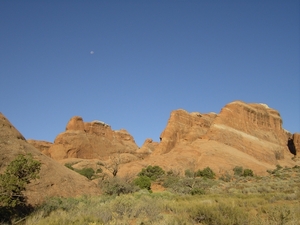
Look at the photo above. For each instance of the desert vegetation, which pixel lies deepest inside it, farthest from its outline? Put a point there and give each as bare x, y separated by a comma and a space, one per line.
197, 197
20, 172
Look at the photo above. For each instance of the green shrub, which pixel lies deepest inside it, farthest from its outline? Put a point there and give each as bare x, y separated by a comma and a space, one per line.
153, 172
278, 167
206, 173
188, 173
170, 181
69, 166
226, 177
87, 172
117, 186
238, 170
248, 173
99, 170
197, 191
143, 182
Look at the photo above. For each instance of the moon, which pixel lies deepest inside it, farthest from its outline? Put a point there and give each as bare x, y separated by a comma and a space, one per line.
91, 52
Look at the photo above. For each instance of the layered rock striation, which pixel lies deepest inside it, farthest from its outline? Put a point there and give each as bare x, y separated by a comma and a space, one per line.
248, 135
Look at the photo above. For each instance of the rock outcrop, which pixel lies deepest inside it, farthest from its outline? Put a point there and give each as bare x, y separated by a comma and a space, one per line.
296, 143
248, 135
254, 129
90, 140
147, 148
183, 127
42, 146
55, 179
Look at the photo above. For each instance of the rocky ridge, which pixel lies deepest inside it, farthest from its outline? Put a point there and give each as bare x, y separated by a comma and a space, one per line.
242, 134
90, 140
55, 179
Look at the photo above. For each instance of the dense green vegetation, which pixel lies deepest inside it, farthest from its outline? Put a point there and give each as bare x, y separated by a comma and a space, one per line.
13, 183
87, 172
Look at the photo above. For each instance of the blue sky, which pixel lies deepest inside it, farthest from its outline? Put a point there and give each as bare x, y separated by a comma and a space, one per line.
150, 57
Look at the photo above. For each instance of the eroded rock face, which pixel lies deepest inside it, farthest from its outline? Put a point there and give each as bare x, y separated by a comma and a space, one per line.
183, 127
91, 140
254, 129
42, 146
147, 148
248, 135
55, 179
296, 141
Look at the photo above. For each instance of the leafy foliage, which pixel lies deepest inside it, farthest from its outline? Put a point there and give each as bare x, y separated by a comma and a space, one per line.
153, 172
17, 175
13, 183
206, 173
143, 182
87, 172
238, 170
248, 173
188, 173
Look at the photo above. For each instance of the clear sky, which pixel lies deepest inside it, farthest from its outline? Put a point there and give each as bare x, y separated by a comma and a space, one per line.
130, 63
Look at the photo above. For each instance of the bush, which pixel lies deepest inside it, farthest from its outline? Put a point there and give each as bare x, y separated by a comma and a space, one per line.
206, 173
153, 172
170, 181
87, 172
238, 170
143, 182
69, 166
248, 173
188, 173
117, 186
197, 191
13, 183
226, 177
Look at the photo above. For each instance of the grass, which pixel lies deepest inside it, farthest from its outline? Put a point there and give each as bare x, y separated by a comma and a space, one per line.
270, 200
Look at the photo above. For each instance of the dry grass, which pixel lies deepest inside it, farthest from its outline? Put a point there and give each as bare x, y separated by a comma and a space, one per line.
272, 200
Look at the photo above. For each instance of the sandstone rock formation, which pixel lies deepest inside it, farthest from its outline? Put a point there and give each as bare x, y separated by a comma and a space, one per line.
254, 129
147, 148
183, 127
55, 179
248, 135
42, 146
296, 143
91, 140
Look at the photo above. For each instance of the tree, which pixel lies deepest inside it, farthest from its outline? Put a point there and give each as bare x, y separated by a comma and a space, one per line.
113, 164
13, 182
153, 172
